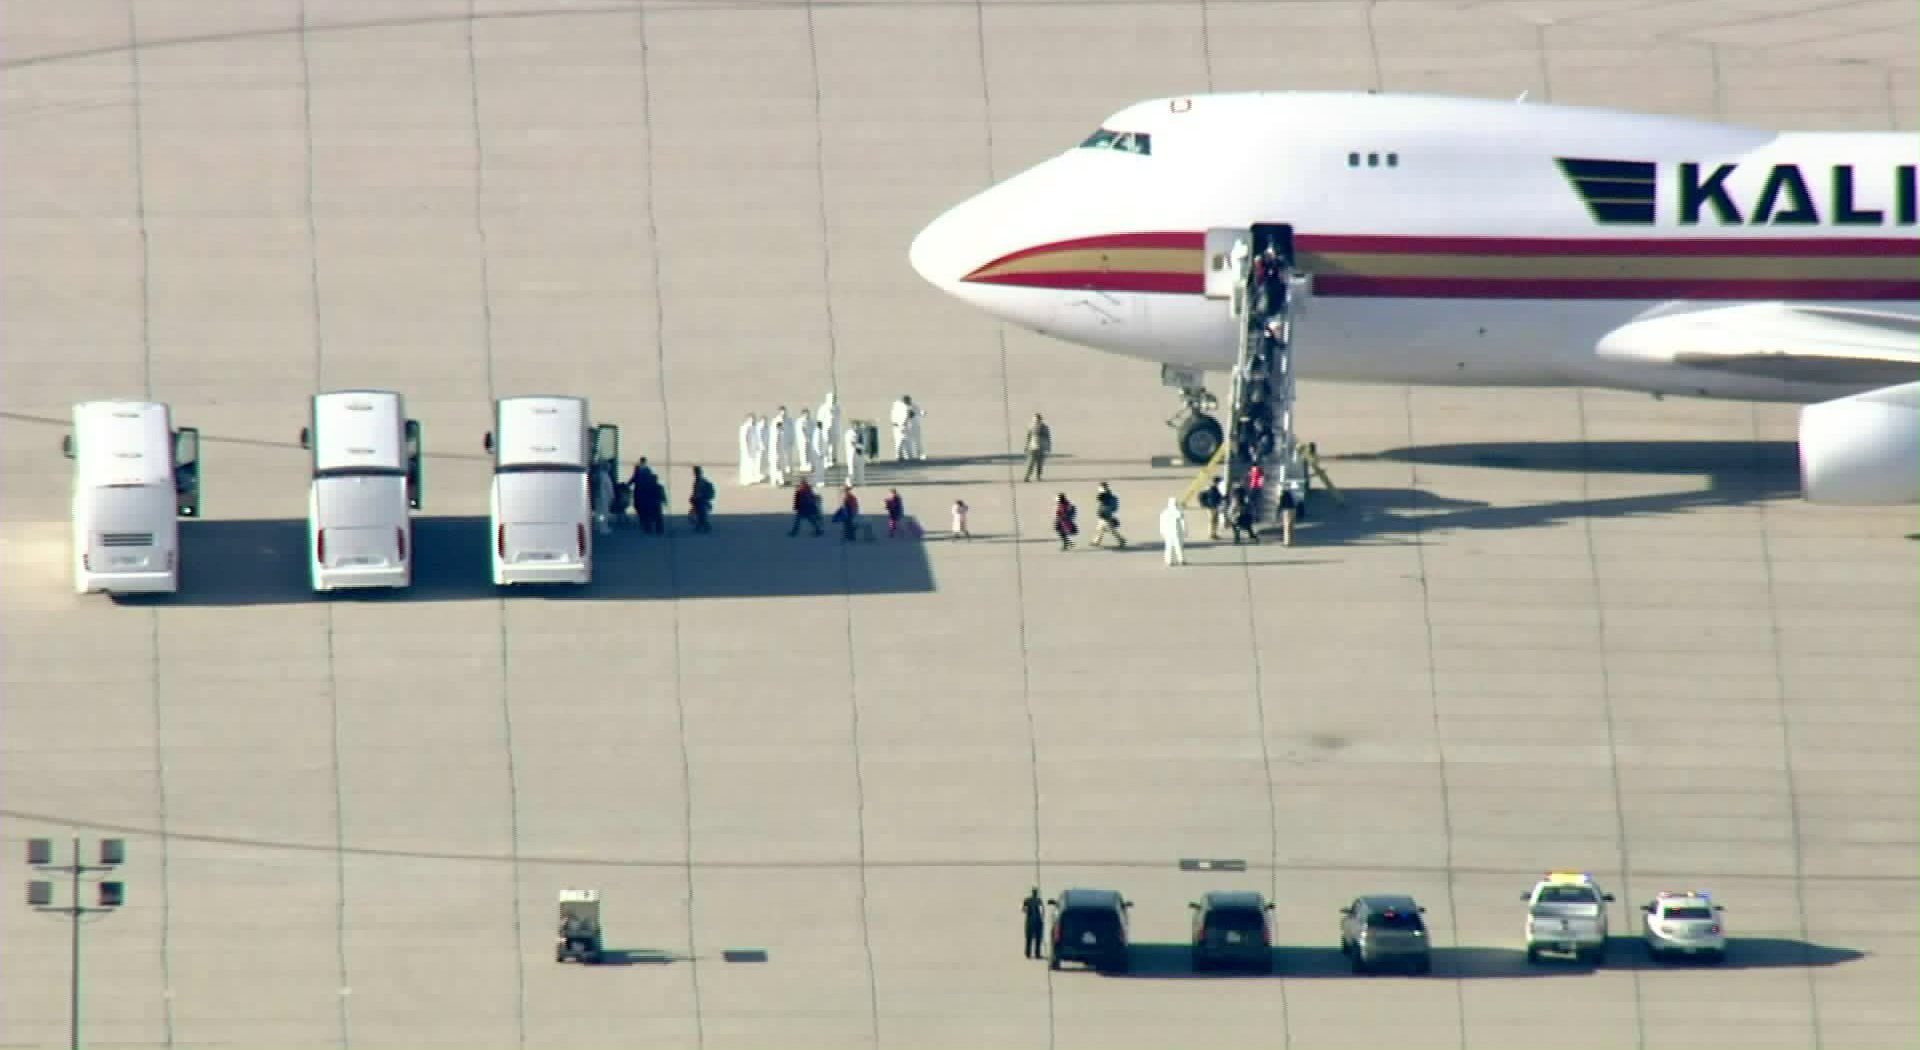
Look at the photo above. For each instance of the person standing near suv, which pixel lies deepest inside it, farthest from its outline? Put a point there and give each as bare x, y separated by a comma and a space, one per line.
1036, 921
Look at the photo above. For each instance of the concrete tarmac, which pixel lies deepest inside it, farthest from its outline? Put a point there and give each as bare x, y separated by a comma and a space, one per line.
813, 780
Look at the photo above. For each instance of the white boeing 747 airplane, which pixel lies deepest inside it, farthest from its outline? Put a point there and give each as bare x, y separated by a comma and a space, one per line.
1467, 241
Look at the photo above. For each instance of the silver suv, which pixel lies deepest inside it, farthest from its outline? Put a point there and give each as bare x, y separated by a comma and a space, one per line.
1385, 930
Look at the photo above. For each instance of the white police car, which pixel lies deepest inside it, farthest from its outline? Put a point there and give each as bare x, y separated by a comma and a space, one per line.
1684, 924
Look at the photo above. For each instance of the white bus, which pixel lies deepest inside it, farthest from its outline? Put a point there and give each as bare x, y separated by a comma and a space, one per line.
544, 450
366, 483
134, 477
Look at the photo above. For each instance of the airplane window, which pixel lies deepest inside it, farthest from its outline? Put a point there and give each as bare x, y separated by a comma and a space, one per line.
1100, 139
1353, 160
1393, 160
1373, 160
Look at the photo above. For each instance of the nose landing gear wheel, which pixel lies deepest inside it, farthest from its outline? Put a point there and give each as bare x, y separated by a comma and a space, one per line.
1200, 438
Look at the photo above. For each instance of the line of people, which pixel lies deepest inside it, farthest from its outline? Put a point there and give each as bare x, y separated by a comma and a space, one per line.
806, 511
1173, 523
1240, 505
646, 495
1235, 507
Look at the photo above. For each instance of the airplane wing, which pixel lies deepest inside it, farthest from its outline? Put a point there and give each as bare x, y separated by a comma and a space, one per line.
1785, 341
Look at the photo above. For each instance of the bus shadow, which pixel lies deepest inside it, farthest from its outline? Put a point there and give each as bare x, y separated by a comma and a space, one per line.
264, 562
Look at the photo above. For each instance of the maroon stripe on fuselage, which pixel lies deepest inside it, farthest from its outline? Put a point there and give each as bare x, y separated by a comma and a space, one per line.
1102, 281
1360, 286
1194, 241
1465, 286
1357, 286
1726, 247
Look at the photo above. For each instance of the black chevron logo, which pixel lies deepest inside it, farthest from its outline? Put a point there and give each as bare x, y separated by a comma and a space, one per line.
1616, 192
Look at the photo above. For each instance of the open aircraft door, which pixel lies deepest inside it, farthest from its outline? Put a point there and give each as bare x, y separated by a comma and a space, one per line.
1227, 249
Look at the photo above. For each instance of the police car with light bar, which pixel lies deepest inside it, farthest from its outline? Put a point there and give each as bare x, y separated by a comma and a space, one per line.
1567, 915
1684, 924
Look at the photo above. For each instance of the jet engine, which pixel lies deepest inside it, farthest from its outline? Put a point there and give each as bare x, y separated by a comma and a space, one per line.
1863, 449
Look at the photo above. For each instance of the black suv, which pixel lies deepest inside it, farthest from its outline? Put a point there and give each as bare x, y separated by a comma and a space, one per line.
1385, 930
1090, 926
1230, 929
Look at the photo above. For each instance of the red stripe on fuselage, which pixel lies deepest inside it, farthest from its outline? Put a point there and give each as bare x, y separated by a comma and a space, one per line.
1464, 287
1360, 286
1194, 241
1102, 281
1782, 247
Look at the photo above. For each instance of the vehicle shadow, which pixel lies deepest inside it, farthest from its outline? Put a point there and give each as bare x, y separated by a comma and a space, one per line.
1743, 953
1737, 473
638, 957
264, 562
1308, 962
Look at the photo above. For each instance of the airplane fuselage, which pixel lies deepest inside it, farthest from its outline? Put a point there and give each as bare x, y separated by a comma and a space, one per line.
1447, 240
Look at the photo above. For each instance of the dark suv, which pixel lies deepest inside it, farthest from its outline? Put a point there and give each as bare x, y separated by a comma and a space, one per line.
1090, 926
1230, 929
1385, 931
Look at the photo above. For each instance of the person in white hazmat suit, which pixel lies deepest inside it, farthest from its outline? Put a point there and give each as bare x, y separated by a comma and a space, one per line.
917, 434
780, 447
761, 451
1173, 532
856, 457
749, 465
821, 443
803, 442
902, 417
830, 428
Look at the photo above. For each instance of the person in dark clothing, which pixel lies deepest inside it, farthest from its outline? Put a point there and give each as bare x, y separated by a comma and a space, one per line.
648, 497
1107, 509
896, 507
1035, 912
848, 516
1039, 447
1241, 514
622, 499
700, 502
1063, 523
1210, 498
806, 507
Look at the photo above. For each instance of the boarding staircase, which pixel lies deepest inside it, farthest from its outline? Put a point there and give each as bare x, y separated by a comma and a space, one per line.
1260, 426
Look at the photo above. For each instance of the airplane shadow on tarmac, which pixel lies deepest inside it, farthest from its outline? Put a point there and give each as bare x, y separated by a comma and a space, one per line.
1737, 473
1304, 962
264, 562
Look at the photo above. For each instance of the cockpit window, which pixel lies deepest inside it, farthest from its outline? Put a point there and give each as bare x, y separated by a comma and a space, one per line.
1123, 141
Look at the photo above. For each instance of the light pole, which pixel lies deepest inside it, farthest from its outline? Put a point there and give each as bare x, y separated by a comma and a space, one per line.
113, 853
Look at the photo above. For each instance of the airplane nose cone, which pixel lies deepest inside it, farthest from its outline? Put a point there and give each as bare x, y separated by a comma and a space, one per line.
936, 254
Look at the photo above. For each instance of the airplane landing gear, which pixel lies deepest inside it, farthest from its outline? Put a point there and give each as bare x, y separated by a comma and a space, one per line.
1199, 437
1198, 434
